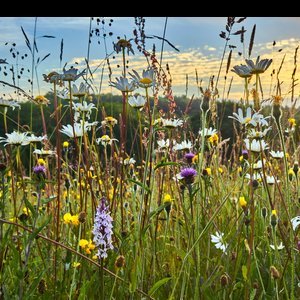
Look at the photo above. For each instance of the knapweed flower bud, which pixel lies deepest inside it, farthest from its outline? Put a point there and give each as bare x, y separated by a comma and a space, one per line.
264, 212
274, 218
274, 272
120, 262
42, 287
296, 168
189, 157
224, 280
82, 217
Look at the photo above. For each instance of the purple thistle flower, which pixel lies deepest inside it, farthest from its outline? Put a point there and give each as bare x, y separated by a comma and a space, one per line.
103, 229
39, 170
188, 175
189, 157
245, 154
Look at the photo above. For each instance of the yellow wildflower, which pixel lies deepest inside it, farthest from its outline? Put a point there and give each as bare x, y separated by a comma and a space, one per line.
292, 122
274, 212
67, 218
41, 162
83, 243
74, 220
243, 202
167, 198
76, 264
65, 144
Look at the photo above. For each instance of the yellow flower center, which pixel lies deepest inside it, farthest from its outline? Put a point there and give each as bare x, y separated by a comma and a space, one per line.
145, 80
247, 120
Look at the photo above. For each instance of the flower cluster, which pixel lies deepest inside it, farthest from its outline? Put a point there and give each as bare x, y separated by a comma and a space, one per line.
103, 229
69, 219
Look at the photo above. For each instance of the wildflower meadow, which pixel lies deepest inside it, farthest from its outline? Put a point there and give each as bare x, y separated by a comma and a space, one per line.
144, 196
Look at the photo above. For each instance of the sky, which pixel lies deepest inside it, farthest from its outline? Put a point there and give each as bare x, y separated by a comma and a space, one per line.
197, 39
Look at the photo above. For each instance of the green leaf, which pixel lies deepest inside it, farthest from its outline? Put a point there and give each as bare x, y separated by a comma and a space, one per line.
244, 272
163, 164
140, 184
158, 284
47, 200
39, 229
30, 207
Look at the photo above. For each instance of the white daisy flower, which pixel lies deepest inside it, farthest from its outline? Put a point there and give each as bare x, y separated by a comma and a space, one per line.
172, 123
207, 131
35, 139
79, 129
277, 154
259, 119
80, 91
256, 145
105, 140
217, 239
9, 103
240, 116
258, 165
15, 138
137, 102
44, 152
71, 74
185, 145
146, 80
129, 161
255, 176
81, 108
295, 222
123, 85
271, 179
254, 134
279, 247
163, 144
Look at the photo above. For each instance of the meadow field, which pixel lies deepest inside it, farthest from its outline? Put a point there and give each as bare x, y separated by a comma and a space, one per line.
149, 198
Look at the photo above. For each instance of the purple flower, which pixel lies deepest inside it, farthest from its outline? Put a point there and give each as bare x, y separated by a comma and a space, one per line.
188, 175
39, 173
189, 157
245, 154
103, 229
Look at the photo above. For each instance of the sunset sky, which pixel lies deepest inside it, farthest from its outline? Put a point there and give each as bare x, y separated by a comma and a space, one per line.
197, 39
